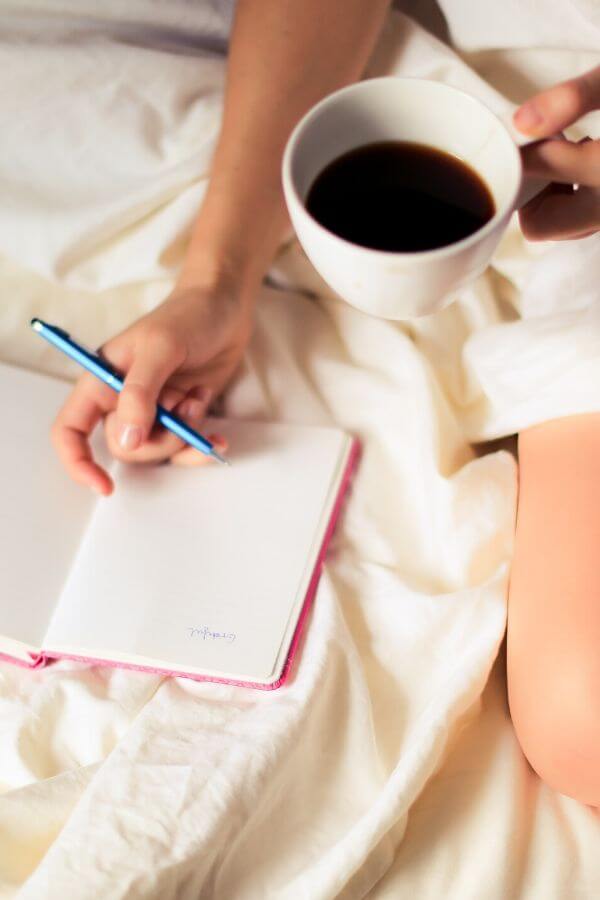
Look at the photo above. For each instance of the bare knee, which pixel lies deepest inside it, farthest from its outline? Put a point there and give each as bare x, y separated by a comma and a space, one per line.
558, 728
554, 605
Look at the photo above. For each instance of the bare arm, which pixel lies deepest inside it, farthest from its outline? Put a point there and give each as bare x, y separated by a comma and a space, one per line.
284, 56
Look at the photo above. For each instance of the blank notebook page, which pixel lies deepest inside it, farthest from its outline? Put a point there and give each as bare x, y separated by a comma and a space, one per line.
42, 512
201, 568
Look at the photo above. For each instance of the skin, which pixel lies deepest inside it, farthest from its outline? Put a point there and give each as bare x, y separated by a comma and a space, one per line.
559, 213
553, 641
553, 661
284, 56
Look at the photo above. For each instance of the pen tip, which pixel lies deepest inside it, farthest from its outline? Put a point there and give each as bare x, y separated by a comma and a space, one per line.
220, 458
36, 324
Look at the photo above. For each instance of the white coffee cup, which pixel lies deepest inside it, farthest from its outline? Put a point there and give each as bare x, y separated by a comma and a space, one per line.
388, 284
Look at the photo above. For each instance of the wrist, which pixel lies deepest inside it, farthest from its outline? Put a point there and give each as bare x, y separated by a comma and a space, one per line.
220, 270
234, 238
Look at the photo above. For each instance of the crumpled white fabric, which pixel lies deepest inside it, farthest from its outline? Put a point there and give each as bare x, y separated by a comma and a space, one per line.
386, 767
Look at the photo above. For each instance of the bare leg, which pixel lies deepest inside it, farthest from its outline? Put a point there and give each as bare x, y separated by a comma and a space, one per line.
554, 605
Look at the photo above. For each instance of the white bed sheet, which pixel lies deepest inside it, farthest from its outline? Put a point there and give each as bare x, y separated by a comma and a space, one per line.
386, 768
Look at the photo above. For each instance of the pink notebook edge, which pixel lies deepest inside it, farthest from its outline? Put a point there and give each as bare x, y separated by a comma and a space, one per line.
42, 659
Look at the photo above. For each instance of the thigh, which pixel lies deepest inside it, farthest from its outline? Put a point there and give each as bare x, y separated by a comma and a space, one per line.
554, 597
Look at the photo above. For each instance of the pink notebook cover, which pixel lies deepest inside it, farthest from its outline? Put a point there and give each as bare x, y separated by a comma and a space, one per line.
41, 659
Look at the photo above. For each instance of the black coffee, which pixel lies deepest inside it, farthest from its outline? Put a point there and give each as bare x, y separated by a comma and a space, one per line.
400, 196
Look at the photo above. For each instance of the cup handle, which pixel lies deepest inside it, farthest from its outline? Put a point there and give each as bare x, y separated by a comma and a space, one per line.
530, 186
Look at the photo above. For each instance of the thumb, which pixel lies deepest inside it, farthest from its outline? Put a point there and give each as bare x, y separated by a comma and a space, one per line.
154, 361
552, 110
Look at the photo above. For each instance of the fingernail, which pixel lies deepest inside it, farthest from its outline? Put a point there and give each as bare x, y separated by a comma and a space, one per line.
130, 437
192, 409
528, 117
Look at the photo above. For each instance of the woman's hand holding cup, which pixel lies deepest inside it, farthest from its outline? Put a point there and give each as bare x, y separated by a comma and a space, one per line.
561, 212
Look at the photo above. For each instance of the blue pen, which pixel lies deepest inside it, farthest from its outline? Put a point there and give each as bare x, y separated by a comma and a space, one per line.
94, 363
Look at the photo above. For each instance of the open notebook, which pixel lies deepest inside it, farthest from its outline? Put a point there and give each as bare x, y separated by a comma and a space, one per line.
203, 572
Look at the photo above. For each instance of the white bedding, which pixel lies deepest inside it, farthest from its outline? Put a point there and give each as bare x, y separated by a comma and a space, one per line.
386, 767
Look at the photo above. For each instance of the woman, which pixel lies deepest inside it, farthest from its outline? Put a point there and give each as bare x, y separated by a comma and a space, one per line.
284, 56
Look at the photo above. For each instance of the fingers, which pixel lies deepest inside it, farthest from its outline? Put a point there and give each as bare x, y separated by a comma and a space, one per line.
560, 106
91, 400
189, 456
160, 444
561, 214
153, 362
564, 161
86, 404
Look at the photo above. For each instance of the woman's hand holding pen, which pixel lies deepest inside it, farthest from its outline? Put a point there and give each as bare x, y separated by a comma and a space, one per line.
195, 340
181, 355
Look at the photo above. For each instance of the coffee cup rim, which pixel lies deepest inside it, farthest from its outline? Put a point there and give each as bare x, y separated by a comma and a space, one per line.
416, 255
